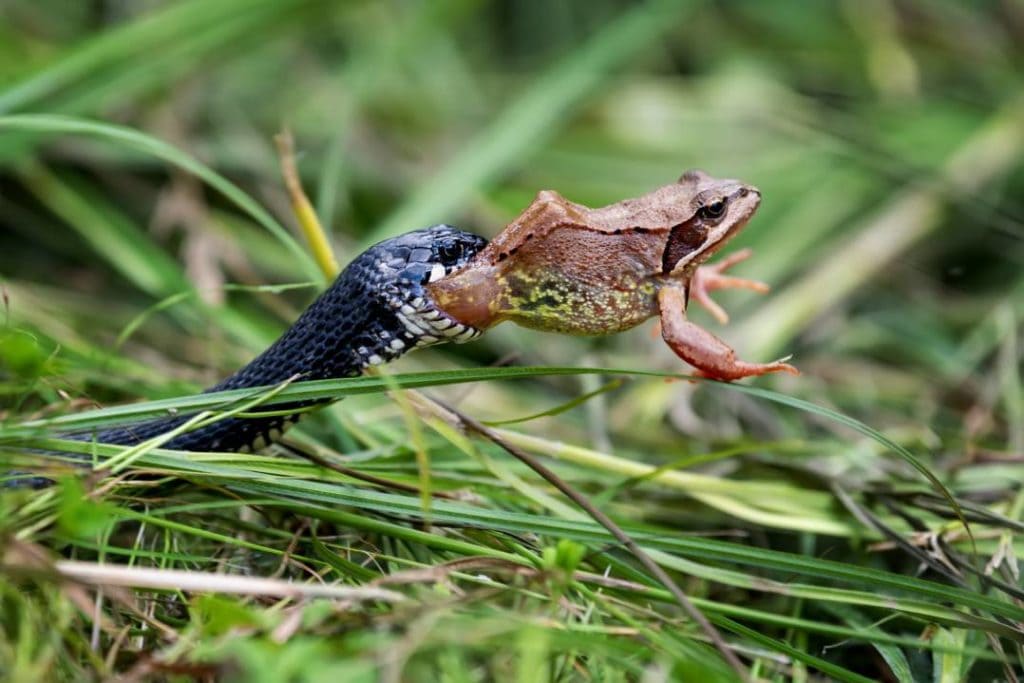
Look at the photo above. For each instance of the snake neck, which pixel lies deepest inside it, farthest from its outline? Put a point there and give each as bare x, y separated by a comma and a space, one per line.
339, 335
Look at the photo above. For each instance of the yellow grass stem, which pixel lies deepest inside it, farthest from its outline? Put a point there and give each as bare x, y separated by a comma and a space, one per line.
310, 225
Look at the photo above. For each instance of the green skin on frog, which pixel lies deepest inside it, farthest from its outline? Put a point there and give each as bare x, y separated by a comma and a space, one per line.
564, 267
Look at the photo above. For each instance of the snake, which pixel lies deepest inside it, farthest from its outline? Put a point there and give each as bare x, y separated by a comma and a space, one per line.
377, 309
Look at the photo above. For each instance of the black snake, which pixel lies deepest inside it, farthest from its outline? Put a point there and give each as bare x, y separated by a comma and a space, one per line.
376, 310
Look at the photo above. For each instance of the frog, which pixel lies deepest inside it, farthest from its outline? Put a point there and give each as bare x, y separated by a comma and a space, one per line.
563, 267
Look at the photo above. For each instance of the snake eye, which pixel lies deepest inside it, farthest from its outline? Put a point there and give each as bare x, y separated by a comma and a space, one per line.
450, 252
713, 210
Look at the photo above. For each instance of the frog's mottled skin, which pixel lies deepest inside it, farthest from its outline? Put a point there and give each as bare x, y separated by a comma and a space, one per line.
607, 291
564, 267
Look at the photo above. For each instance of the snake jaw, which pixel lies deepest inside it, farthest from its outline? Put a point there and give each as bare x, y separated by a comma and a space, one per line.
426, 325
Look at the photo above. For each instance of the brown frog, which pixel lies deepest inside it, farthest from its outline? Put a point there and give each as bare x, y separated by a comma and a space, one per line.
564, 267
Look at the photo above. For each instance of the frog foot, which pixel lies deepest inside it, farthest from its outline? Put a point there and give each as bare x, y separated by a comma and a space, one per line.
709, 278
711, 356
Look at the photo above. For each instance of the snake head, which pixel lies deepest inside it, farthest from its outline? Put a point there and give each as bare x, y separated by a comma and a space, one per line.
407, 264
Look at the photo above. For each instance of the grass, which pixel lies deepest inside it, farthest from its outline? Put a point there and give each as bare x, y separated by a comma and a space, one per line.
856, 523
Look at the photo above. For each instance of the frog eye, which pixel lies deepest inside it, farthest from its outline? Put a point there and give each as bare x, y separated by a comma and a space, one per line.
713, 210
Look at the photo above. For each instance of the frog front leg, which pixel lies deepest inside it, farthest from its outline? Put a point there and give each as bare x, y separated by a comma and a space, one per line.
703, 350
706, 279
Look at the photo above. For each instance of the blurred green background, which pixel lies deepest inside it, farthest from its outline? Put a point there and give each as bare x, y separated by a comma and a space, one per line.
886, 136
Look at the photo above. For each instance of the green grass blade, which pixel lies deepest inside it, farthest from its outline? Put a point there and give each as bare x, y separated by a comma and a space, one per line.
46, 124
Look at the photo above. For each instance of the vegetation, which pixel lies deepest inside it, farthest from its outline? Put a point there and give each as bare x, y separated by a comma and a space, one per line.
856, 523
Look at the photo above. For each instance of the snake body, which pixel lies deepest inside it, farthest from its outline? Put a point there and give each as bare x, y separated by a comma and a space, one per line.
377, 309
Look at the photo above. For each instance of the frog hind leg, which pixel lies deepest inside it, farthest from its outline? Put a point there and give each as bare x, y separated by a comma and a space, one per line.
703, 350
